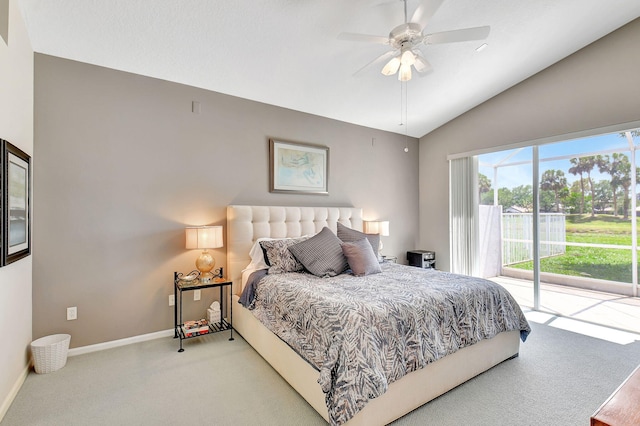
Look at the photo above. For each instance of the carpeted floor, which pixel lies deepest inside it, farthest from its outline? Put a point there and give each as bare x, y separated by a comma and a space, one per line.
560, 378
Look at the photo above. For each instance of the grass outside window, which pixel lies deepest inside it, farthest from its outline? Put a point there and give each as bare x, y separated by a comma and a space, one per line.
592, 262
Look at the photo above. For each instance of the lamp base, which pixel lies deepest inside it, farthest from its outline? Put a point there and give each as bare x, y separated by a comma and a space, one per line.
205, 264
206, 277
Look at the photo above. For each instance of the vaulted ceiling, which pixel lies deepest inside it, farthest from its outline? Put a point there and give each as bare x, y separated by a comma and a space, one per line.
287, 52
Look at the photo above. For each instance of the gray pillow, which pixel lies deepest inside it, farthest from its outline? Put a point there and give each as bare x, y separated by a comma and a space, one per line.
361, 258
349, 235
278, 256
321, 254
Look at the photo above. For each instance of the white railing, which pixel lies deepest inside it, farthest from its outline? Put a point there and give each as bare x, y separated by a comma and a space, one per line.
517, 236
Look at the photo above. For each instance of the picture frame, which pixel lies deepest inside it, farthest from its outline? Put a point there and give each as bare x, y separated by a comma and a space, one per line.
298, 168
4, 21
16, 203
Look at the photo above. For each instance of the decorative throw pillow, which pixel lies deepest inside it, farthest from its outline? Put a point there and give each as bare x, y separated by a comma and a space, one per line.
259, 255
349, 235
361, 258
321, 254
279, 258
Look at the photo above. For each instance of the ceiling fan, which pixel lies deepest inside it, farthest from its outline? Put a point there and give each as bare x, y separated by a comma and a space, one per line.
406, 39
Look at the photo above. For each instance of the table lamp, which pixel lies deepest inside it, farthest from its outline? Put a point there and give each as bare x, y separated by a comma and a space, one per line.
377, 227
204, 238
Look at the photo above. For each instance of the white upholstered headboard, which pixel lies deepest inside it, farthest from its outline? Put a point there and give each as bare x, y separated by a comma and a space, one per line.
245, 224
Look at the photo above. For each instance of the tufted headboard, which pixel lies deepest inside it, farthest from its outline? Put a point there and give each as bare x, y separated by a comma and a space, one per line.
245, 224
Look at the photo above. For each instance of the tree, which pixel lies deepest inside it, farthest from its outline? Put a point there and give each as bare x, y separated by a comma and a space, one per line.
578, 169
589, 163
554, 180
546, 201
574, 202
624, 177
624, 171
522, 196
634, 133
583, 165
486, 199
484, 185
619, 168
602, 195
605, 165
505, 198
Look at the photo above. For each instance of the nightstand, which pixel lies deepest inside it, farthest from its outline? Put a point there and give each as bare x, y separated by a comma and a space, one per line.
180, 286
389, 259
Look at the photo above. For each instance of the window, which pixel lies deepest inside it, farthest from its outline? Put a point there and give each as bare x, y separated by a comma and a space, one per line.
580, 195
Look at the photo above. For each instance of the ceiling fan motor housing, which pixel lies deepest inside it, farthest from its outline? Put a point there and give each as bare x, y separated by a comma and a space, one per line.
404, 33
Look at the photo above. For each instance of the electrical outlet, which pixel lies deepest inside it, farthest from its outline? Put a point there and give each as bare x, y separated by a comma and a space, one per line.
172, 300
196, 295
72, 313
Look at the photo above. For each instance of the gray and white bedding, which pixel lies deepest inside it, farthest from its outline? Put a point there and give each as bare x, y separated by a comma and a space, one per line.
363, 333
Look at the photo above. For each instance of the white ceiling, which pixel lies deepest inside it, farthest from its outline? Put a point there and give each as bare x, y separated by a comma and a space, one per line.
286, 52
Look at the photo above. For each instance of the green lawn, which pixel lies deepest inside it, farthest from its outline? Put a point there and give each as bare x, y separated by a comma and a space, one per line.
600, 224
606, 264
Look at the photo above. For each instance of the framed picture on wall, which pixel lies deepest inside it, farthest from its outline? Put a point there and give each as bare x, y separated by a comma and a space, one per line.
16, 205
4, 21
298, 168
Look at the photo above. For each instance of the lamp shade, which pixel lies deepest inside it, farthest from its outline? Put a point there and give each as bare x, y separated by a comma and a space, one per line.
203, 237
405, 72
377, 227
392, 66
407, 58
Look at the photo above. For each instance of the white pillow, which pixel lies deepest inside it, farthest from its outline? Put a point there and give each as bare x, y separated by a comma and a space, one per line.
257, 255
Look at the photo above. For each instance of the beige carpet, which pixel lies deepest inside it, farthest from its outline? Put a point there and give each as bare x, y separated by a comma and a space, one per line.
560, 378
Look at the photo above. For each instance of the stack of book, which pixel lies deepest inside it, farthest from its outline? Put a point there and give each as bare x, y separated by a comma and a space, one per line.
195, 328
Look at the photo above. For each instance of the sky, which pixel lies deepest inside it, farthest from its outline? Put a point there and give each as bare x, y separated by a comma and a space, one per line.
511, 176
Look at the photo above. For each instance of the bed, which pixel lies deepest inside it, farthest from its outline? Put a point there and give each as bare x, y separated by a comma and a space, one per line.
246, 224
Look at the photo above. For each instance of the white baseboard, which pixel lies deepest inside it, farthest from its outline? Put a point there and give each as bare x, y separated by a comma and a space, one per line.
13, 392
122, 342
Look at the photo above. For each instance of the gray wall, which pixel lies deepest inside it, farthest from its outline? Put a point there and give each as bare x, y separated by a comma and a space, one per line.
123, 165
599, 86
16, 126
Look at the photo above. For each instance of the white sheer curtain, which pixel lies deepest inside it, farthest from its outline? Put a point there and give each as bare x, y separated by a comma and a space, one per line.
463, 209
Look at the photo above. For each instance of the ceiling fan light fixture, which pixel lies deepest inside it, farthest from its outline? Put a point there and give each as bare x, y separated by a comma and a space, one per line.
406, 38
405, 72
408, 58
421, 65
392, 66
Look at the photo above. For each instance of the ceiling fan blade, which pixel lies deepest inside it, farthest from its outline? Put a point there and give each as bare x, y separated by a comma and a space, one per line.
422, 65
363, 38
425, 12
385, 56
475, 33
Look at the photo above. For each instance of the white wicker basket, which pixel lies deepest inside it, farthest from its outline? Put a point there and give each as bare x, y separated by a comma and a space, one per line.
50, 352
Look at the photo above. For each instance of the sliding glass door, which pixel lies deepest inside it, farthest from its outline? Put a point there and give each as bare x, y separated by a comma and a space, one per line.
568, 213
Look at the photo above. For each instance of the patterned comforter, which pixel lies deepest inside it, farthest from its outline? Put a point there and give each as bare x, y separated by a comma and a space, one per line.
363, 333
